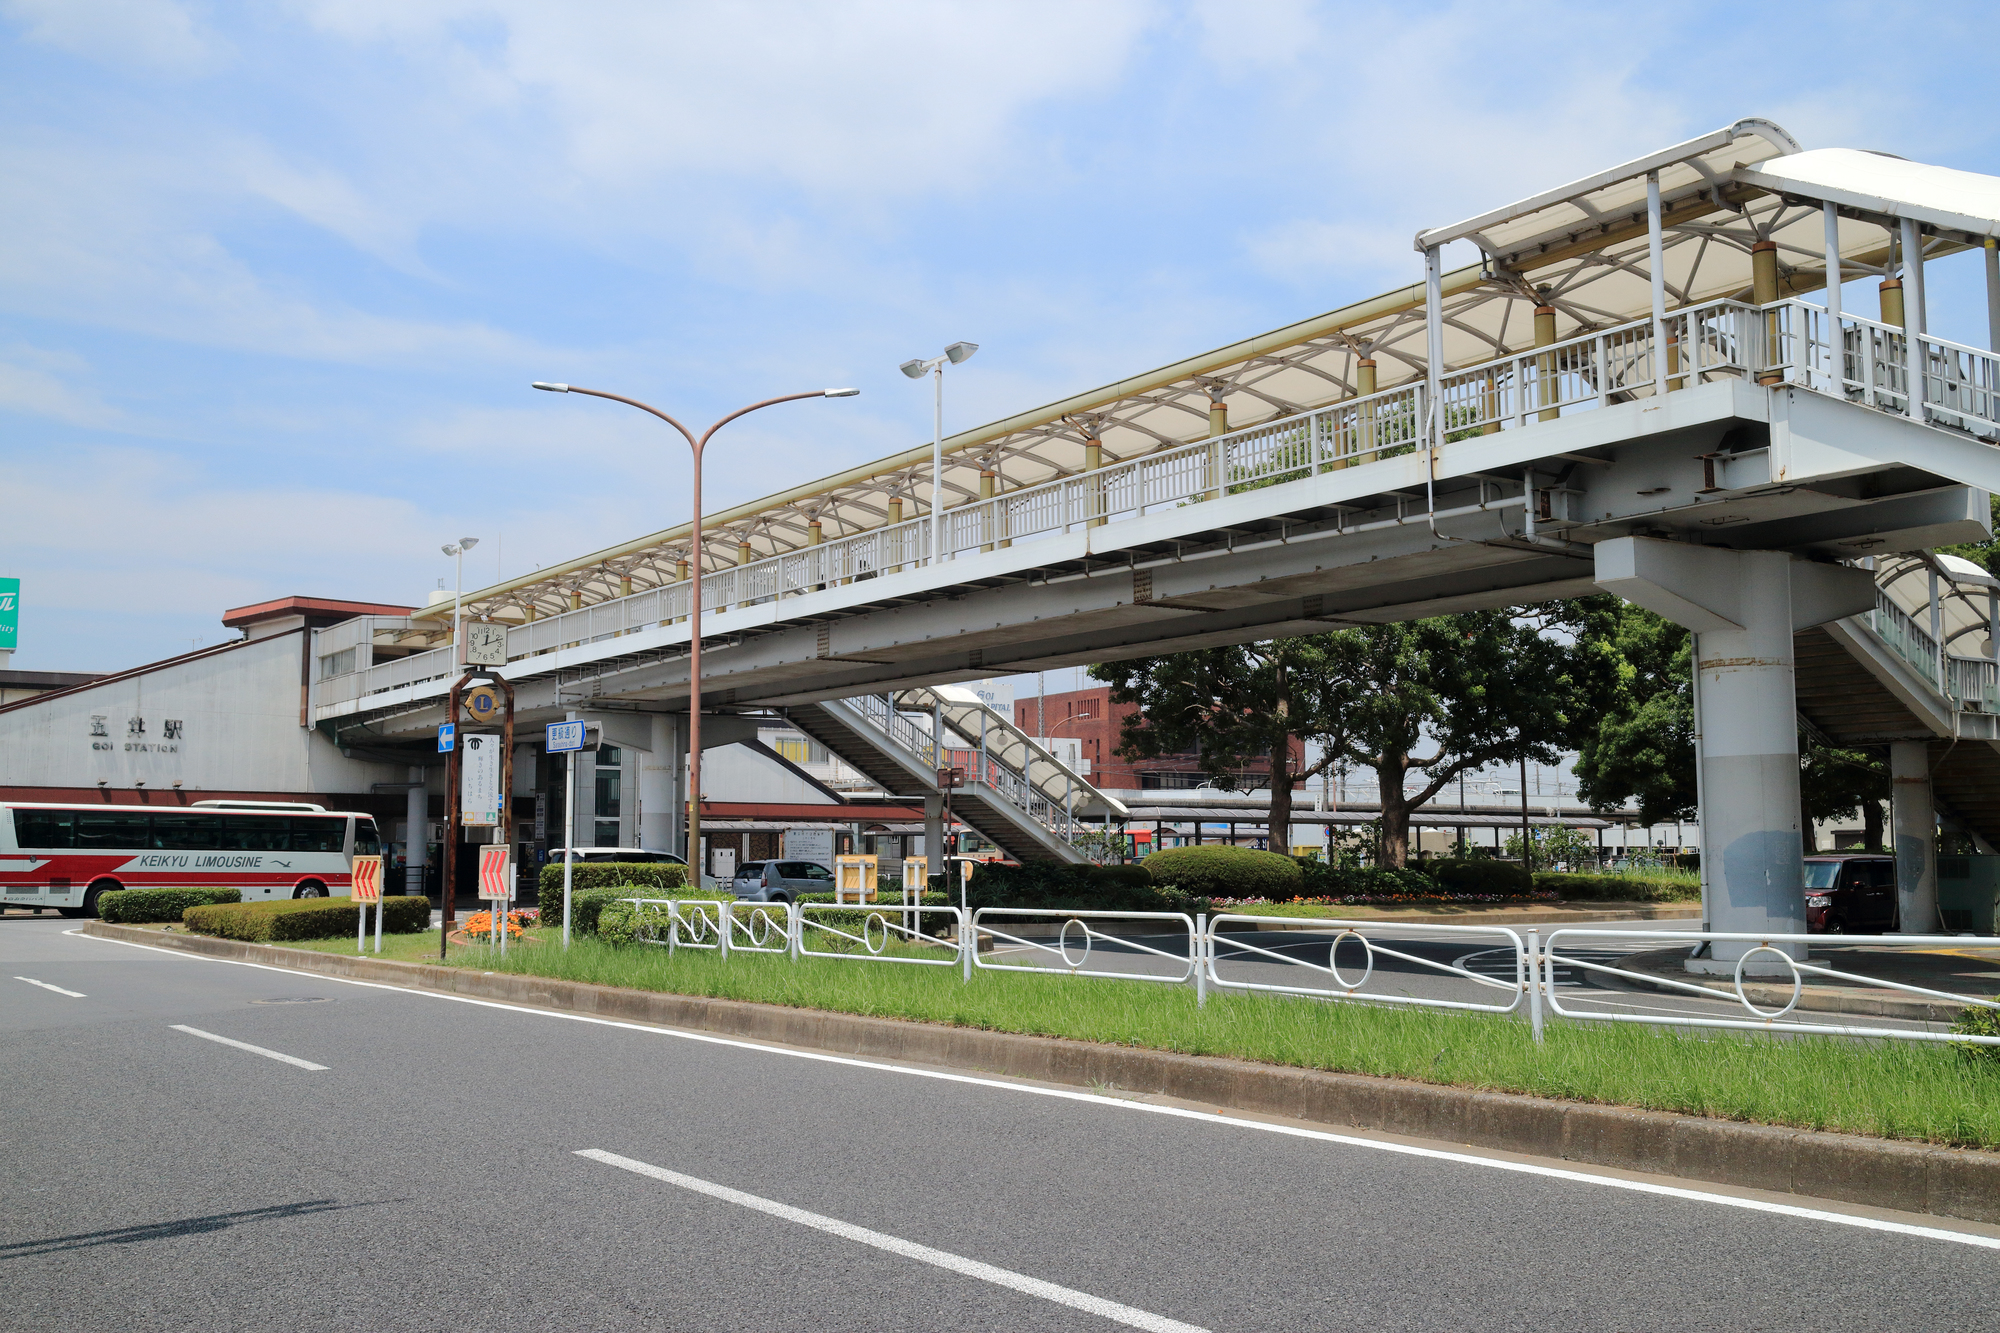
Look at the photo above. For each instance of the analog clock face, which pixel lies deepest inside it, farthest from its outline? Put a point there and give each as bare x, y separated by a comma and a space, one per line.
486, 645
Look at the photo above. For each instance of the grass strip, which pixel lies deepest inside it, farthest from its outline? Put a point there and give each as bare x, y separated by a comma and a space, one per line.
1918, 1091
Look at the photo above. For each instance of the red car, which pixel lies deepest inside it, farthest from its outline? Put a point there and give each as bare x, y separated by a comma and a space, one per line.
1851, 893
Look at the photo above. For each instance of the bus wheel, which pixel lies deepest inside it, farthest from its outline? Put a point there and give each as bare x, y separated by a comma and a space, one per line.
96, 891
312, 888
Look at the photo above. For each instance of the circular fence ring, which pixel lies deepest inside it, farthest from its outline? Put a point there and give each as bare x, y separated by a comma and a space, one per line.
1798, 982
760, 927
1333, 960
868, 933
1062, 944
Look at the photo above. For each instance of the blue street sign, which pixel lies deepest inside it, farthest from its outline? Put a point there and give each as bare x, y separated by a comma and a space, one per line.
447, 737
565, 736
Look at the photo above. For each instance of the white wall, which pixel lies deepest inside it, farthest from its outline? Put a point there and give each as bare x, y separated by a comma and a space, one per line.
733, 773
238, 730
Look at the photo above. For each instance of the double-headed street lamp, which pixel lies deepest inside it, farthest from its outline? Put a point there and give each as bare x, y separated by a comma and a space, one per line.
694, 592
916, 369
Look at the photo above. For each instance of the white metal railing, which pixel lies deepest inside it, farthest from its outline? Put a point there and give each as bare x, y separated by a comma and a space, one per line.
1968, 681
1523, 968
1078, 936
880, 715
1747, 990
1790, 341
1289, 972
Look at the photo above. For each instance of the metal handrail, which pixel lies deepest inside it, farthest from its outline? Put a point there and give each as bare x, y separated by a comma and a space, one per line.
1342, 988
1087, 937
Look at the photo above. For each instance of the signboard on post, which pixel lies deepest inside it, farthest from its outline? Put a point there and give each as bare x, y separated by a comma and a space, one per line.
564, 737
496, 880
810, 844
367, 883
10, 615
855, 876
479, 781
447, 738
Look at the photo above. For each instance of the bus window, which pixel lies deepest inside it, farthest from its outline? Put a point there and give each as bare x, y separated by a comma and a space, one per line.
187, 833
318, 834
366, 841
111, 829
255, 833
52, 829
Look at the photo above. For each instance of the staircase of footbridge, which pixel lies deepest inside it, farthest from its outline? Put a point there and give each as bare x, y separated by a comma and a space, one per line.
1631, 357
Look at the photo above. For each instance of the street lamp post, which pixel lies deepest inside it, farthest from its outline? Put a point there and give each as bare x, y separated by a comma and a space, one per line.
916, 369
457, 552
694, 589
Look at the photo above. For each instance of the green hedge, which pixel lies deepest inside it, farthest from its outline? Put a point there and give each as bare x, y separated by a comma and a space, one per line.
304, 918
644, 879
135, 905
1616, 888
1062, 887
1495, 877
1978, 1021
1330, 881
1227, 872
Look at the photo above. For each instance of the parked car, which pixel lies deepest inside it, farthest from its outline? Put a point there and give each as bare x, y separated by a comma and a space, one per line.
583, 855
1851, 894
781, 881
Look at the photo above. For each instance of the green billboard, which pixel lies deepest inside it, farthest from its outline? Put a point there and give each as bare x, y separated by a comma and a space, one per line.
10, 613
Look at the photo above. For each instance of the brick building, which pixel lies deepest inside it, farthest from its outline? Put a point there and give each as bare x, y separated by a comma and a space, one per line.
1094, 721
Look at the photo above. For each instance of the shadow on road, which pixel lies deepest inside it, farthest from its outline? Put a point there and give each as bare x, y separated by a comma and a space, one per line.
185, 1226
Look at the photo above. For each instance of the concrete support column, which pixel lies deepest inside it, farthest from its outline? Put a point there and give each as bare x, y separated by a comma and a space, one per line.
1763, 291
1913, 834
1744, 607
660, 783
934, 834
417, 811
1545, 366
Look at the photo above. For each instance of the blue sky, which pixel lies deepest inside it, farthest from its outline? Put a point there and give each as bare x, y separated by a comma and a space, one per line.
274, 278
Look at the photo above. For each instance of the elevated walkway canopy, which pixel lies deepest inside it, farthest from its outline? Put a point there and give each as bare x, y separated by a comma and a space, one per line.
1581, 252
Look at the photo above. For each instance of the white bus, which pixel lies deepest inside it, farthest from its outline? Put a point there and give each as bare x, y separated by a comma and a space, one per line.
65, 856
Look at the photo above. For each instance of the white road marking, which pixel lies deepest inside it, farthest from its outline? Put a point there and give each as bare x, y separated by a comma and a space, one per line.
246, 1046
73, 994
999, 1277
1180, 1113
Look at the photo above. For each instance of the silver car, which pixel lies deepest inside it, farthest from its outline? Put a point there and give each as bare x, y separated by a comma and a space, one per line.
780, 881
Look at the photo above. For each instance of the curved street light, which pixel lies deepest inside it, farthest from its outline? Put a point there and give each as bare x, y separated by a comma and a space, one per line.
693, 851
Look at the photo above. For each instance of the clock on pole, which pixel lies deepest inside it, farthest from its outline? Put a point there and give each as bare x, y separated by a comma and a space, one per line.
485, 644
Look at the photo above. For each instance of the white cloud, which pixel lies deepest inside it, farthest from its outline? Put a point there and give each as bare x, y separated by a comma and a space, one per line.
33, 382
155, 34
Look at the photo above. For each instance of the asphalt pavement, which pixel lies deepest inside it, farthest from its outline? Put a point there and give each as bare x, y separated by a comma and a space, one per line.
215, 1146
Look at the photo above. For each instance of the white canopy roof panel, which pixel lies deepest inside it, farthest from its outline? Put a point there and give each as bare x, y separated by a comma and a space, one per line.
1941, 197
1581, 249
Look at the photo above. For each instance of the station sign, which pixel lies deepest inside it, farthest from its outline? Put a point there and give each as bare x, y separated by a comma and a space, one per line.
10, 614
564, 737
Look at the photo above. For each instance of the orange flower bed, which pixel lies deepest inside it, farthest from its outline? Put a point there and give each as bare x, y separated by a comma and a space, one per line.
481, 923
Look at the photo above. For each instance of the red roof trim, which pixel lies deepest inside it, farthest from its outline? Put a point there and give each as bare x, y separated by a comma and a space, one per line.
247, 615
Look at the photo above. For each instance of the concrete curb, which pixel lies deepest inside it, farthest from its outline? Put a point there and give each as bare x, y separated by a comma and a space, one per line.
1878, 1173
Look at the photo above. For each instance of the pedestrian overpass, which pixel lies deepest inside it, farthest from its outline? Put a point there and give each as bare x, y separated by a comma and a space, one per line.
1628, 390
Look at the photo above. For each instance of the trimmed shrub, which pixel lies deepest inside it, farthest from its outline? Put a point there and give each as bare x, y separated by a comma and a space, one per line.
1978, 1021
135, 905
1496, 877
303, 919
1327, 881
1061, 887
1226, 872
1616, 888
643, 879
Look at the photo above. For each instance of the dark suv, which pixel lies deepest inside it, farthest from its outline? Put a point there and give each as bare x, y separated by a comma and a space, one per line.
1851, 894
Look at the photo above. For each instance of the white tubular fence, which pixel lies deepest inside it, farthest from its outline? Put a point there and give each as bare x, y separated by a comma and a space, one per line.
1747, 990
1288, 971
1078, 935
1211, 953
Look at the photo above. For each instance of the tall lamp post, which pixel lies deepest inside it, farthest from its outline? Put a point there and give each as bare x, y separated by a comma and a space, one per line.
694, 590
916, 369
456, 550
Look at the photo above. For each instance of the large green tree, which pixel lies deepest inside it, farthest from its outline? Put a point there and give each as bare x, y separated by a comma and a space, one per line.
1428, 699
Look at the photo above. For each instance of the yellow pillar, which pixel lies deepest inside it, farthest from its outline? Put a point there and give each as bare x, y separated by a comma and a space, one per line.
533, 614
743, 556
1364, 424
987, 477
1093, 459
814, 536
680, 576
1218, 417
576, 601
1891, 292
625, 586
1763, 291
1545, 366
